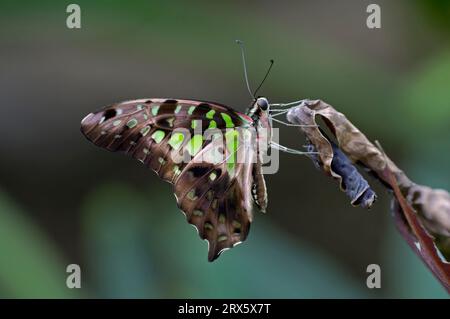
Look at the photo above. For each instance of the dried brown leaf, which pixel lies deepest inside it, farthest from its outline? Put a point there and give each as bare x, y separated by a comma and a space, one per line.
331, 159
416, 235
422, 214
433, 206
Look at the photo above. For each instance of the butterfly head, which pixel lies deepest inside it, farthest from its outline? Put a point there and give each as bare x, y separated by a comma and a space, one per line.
263, 104
259, 109
260, 114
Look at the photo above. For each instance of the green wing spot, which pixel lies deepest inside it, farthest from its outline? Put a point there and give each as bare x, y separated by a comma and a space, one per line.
197, 213
132, 123
176, 140
227, 119
212, 124
191, 110
232, 141
208, 226
176, 170
195, 124
191, 195
161, 161
170, 121
158, 136
195, 144
212, 176
210, 114
117, 123
231, 166
231, 137
177, 109
222, 238
144, 131
139, 107
222, 218
155, 110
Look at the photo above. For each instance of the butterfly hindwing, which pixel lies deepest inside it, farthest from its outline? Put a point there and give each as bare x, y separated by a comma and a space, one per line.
215, 191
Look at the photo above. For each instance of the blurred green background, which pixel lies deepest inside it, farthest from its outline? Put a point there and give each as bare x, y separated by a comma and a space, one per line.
64, 201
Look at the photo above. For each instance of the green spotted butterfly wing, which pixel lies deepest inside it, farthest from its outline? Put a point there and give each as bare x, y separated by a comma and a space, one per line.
212, 185
215, 193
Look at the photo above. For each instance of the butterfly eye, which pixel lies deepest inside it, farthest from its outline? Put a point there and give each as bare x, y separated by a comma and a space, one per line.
263, 103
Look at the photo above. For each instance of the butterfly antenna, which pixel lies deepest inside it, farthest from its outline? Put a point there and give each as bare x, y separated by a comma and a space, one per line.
265, 77
241, 44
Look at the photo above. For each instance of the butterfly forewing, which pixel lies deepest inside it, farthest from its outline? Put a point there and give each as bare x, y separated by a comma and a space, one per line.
143, 128
212, 185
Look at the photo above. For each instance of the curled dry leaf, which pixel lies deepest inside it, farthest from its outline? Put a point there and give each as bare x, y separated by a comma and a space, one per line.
331, 158
351, 181
421, 214
350, 139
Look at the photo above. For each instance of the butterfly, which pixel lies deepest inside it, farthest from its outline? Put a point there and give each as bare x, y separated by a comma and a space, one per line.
212, 154
220, 179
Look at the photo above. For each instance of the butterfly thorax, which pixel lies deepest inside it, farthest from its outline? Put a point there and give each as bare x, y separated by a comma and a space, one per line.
259, 113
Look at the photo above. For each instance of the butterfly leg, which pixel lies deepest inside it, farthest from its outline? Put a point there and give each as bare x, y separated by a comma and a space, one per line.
290, 104
277, 112
284, 108
290, 124
289, 150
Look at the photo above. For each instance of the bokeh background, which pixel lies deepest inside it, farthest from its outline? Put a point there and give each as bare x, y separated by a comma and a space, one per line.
64, 201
